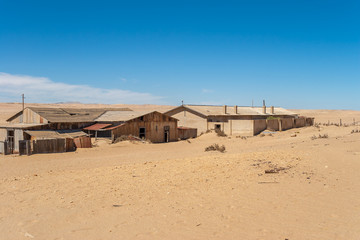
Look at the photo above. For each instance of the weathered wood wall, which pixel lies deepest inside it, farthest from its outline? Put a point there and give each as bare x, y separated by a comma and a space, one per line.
29, 116
154, 124
186, 133
49, 146
82, 142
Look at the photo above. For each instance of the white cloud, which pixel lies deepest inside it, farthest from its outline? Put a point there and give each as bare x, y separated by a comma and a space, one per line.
41, 89
207, 90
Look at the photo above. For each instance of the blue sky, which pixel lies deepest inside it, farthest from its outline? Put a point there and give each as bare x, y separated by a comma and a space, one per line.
295, 54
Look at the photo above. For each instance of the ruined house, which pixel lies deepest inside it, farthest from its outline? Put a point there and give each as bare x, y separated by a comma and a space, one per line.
233, 120
153, 126
40, 119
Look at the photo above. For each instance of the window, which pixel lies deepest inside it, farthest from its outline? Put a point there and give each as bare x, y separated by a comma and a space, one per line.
218, 127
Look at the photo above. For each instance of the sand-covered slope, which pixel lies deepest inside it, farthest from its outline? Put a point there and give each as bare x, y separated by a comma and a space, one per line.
179, 191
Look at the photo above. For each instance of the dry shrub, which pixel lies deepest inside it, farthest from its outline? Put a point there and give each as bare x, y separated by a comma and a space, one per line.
325, 135
355, 131
262, 135
215, 147
220, 133
242, 137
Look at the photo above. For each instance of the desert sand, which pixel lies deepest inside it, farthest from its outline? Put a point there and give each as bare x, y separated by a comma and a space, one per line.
132, 190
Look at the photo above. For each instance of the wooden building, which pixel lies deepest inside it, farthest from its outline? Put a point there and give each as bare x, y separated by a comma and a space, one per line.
34, 118
232, 120
153, 126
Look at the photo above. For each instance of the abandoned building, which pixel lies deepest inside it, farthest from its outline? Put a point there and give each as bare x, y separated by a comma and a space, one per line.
39, 119
235, 120
153, 126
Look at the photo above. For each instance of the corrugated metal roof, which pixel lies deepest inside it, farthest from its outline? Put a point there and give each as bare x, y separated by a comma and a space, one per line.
98, 126
209, 110
20, 125
51, 134
120, 116
58, 115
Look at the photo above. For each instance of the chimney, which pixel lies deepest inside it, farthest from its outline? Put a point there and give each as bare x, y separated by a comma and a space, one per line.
236, 109
225, 109
264, 107
272, 110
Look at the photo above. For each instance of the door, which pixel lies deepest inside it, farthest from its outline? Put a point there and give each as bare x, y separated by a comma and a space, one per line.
166, 133
10, 140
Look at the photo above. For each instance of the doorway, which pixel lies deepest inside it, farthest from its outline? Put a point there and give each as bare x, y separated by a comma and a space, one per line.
142, 134
217, 127
10, 140
166, 134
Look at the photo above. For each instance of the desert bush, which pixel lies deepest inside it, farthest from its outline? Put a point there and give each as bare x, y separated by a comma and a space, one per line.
220, 133
215, 147
355, 131
262, 135
242, 137
325, 135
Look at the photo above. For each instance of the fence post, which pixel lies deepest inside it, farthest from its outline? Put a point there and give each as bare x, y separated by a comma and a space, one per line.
28, 148
6, 150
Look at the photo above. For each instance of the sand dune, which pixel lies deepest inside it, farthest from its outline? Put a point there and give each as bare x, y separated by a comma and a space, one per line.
178, 191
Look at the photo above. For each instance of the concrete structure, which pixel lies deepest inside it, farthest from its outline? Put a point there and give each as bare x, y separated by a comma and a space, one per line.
153, 126
232, 120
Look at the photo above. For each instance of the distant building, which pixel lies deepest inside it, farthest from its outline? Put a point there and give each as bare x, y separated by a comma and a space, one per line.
36, 119
231, 120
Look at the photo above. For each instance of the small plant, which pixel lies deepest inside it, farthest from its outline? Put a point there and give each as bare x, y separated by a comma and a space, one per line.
262, 135
320, 136
355, 131
323, 136
242, 137
220, 133
215, 147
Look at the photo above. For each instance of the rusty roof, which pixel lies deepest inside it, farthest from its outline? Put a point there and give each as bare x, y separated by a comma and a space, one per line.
121, 116
98, 126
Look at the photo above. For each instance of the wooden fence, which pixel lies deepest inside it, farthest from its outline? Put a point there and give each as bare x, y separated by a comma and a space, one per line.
24, 147
82, 142
49, 146
5, 147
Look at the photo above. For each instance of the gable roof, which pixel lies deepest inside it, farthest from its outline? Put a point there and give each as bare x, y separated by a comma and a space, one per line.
215, 110
122, 116
55, 115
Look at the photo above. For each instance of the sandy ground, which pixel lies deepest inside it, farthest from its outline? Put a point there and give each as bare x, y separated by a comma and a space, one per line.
178, 191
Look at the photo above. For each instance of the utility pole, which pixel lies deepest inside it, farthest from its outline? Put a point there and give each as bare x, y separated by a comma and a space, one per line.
23, 101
